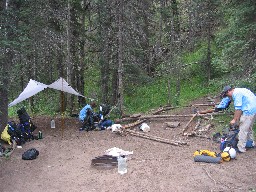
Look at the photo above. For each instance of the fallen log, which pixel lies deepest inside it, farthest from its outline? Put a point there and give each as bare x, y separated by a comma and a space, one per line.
133, 124
162, 109
186, 126
154, 138
149, 117
194, 134
204, 104
168, 116
136, 115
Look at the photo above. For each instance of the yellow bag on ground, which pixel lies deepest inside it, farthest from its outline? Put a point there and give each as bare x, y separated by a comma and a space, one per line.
205, 152
225, 156
5, 135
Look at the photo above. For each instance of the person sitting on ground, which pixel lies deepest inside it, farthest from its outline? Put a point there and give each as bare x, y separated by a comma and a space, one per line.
245, 113
223, 105
86, 116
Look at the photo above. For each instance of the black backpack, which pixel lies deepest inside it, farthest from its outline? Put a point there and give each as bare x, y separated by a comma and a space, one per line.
105, 109
26, 126
25, 121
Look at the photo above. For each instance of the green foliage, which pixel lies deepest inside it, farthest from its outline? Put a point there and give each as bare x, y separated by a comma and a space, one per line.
92, 85
47, 102
146, 97
38, 37
155, 94
236, 37
193, 60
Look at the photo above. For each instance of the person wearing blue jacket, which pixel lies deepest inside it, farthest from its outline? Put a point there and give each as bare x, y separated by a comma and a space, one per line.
245, 113
85, 115
223, 105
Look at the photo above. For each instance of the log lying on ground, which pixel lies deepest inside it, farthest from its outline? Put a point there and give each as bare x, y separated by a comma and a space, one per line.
163, 109
195, 134
154, 138
203, 104
186, 126
168, 116
149, 117
133, 124
136, 115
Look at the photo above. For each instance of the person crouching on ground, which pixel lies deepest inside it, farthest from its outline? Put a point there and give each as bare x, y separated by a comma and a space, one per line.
245, 113
85, 116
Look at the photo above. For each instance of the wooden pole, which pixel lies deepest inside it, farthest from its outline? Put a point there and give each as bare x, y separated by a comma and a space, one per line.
186, 126
154, 138
168, 116
62, 111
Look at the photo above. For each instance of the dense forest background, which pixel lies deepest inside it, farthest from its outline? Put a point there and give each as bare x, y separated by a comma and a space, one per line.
131, 54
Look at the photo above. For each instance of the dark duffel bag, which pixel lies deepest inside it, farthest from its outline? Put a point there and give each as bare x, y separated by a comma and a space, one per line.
30, 154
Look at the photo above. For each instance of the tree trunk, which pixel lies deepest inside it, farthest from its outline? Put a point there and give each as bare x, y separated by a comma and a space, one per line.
120, 57
69, 62
6, 59
104, 13
6, 56
176, 30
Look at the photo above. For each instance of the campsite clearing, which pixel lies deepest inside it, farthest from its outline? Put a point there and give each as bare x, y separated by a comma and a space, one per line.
65, 154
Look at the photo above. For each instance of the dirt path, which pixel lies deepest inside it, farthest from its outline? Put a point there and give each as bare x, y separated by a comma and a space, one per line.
65, 153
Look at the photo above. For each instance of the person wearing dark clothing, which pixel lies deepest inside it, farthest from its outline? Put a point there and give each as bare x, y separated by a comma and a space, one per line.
86, 116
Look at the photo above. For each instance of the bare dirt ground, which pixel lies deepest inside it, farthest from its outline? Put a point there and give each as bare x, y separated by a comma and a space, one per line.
65, 154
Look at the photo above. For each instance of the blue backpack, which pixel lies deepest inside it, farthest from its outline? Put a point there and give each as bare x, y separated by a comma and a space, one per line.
229, 140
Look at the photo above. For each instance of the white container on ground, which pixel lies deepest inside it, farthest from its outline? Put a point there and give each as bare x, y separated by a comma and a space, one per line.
144, 127
52, 124
122, 165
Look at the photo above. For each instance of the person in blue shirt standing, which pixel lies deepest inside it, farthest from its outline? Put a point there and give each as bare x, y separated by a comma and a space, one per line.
245, 113
86, 117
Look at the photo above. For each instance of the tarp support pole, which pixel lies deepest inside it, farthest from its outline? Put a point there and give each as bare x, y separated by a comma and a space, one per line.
62, 111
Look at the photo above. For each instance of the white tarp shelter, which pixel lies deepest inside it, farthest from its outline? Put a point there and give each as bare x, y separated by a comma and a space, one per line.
35, 87
32, 88
62, 85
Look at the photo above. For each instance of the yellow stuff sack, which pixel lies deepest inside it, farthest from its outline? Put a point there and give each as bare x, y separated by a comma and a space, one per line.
5, 136
225, 156
205, 152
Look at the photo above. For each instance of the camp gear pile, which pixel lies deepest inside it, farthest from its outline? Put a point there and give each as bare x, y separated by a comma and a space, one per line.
97, 120
231, 138
21, 132
211, 156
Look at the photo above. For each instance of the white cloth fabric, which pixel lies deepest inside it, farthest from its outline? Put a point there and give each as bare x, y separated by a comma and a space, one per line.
31, 89
35, 87
62, 85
